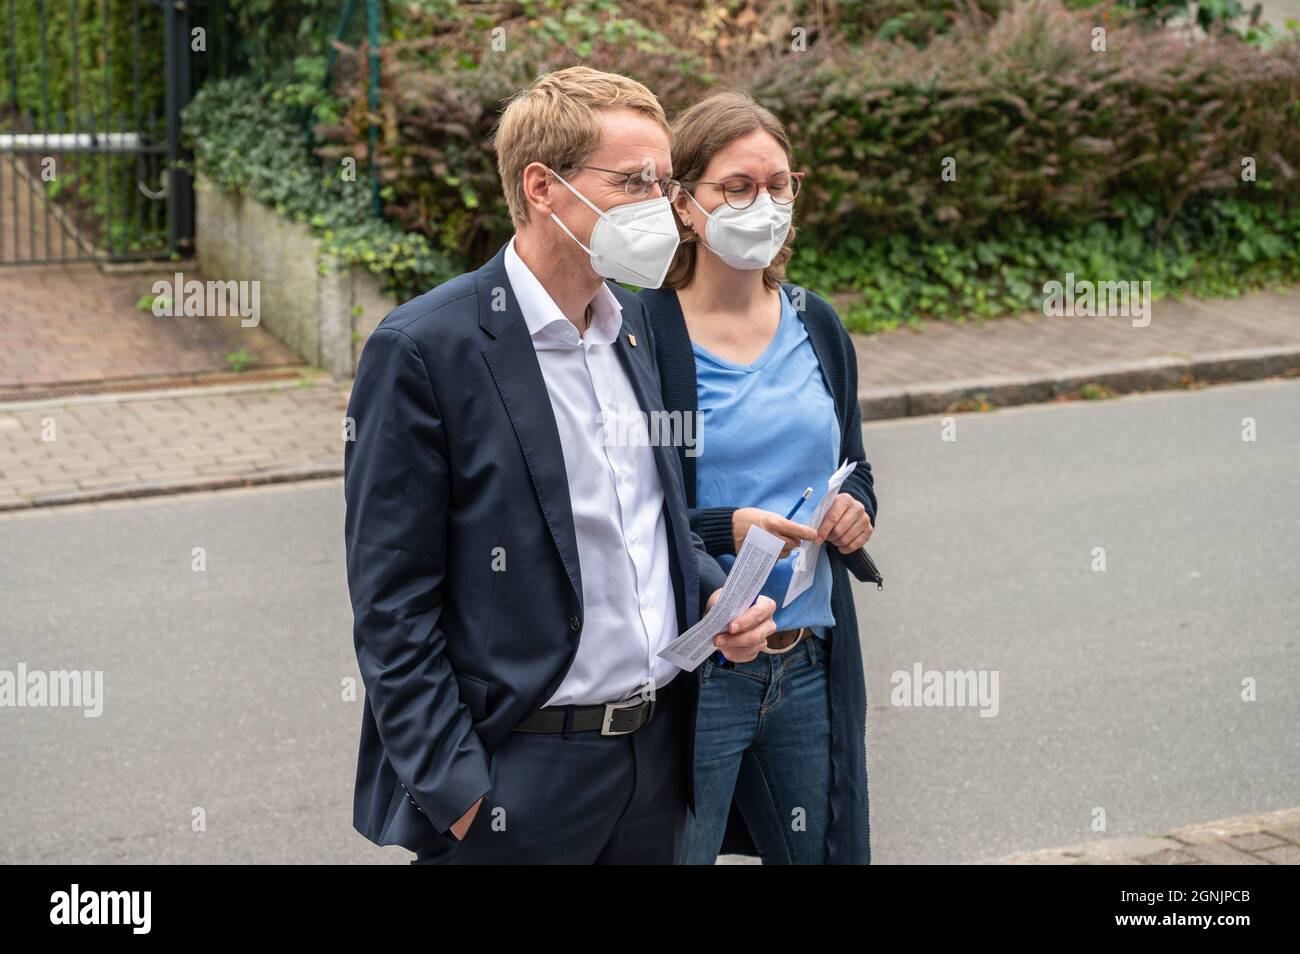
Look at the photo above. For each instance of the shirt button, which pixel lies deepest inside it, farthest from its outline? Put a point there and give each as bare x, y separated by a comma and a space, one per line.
634, 536
575, 624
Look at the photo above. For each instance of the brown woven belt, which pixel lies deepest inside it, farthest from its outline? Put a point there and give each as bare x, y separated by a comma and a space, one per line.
784, 640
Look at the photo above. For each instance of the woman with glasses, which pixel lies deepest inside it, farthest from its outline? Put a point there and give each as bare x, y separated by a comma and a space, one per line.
770, 376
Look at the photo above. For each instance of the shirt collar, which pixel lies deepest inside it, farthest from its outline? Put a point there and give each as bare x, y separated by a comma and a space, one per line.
543, 316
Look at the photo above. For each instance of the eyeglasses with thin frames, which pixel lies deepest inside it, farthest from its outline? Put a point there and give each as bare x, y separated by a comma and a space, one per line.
638, 185
739, 192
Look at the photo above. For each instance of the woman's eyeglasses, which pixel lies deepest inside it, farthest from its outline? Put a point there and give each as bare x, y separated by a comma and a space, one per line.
739, 192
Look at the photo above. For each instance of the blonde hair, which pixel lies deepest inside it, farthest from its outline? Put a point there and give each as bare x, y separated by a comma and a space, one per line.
699, 134
554, 122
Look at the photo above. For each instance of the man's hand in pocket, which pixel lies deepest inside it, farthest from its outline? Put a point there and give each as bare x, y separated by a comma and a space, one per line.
461, 827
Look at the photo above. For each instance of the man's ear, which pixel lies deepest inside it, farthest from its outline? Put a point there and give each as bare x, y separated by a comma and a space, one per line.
537, 187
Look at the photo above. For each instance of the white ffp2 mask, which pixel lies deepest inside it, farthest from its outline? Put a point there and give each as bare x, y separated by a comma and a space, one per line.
632, 243
748, 239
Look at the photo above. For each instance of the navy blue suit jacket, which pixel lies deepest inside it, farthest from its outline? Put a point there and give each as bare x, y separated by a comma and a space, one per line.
456, 465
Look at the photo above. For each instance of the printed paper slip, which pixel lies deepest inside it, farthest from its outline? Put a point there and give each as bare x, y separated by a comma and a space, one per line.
757, 556
805, 563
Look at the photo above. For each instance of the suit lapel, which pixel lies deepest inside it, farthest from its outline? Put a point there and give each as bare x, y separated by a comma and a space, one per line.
647, 396
513, 363
646, 387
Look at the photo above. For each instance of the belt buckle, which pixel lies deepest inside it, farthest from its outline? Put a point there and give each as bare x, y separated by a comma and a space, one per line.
607, 724
803, 631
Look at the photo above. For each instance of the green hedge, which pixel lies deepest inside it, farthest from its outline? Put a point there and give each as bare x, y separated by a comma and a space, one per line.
1123, 164
443, 88
47, 93
249, 138
1216, 247
1118, 164
1036, 124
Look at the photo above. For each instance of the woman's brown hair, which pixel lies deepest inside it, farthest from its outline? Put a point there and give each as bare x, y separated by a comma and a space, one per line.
698, 135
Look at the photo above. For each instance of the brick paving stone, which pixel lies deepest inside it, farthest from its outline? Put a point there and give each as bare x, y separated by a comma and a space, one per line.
1285, 855
109, 446
85, 327
1289, 833
75, 322
1032, 357
1219, 853
1243, 840
1171, 856
1244, 825
1255, 841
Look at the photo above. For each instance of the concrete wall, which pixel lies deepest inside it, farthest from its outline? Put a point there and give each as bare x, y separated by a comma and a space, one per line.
322, 312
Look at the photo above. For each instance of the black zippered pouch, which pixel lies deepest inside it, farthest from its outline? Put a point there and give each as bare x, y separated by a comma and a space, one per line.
864, 568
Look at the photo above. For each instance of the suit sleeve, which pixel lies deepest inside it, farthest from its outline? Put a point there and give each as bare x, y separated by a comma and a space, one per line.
396, 484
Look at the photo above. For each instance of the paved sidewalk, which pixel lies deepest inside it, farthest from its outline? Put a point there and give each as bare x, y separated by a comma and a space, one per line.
166, 442
1272, 838
65, 324
77, 324
946, 366
116, 445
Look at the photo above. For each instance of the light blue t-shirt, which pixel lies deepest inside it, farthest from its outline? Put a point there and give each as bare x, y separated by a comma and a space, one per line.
768, 430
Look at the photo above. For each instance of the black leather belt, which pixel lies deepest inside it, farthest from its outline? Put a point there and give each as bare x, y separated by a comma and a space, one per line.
611, 718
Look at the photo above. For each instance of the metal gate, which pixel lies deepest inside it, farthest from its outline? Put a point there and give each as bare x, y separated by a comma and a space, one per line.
91, 161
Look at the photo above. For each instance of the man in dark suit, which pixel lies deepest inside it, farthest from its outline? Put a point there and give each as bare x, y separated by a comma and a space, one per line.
515, 563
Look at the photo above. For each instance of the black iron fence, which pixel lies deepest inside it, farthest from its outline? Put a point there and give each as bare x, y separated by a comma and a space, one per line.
91, 161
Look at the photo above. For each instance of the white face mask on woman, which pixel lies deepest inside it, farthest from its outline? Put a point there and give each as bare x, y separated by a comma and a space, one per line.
632, 243
750, 238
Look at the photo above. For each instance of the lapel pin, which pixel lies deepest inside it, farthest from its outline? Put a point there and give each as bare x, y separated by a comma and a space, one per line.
631, 339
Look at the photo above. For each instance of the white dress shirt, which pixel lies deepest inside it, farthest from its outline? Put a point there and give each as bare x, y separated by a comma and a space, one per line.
617, 498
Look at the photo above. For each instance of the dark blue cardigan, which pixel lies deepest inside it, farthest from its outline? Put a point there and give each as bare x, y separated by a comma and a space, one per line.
848, 840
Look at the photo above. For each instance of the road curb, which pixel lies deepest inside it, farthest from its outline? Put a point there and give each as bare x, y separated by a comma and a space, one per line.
161, 488
1121, 377
10, 403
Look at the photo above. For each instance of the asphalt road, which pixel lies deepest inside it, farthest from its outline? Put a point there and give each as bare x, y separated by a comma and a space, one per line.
1118, 690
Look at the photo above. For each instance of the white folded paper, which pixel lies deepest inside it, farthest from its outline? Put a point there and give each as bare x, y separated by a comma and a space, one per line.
806, 557
757, 556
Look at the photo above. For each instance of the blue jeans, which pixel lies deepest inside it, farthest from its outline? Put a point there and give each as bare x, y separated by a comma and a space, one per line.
763, 735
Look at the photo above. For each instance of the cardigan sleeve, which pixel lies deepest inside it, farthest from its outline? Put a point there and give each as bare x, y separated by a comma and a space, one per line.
713, 526
860, 483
